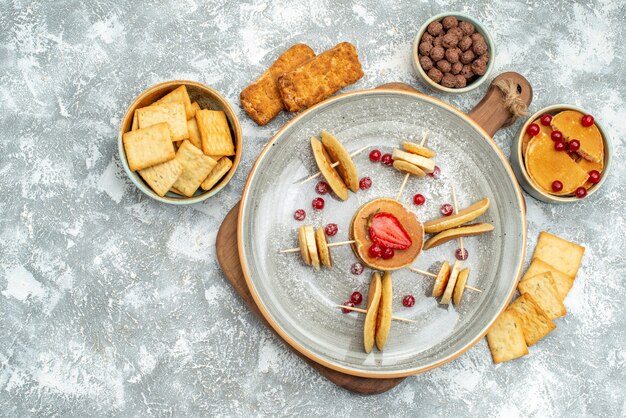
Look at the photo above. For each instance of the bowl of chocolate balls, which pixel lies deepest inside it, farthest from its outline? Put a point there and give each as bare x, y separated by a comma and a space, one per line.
453, 53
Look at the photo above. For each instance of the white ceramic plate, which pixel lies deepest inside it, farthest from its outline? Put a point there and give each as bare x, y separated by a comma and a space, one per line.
299, 302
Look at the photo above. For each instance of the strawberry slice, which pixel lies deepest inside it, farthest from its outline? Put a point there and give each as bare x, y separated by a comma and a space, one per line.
387, 231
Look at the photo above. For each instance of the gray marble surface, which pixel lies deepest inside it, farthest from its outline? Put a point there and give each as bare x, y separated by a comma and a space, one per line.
113, 304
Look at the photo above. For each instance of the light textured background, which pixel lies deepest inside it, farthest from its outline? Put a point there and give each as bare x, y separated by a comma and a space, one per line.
113, 304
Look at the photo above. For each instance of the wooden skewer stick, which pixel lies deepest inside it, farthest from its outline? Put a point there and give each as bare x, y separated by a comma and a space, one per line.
456, 210
397, 318
406, 177
335, 164
429, 274
333, 244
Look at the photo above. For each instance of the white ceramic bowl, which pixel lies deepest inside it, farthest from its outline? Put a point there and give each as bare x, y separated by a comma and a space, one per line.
479, 28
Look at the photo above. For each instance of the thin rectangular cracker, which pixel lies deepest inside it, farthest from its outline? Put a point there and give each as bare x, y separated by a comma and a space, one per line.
149, 146
215, 132
320, 77
535, 322
562, 281
223, 166
195, 107
561, 254
194, 133
179, 95
543, 290
161, 177
261, 99
171, 113
196, 168
506, 338
135, 124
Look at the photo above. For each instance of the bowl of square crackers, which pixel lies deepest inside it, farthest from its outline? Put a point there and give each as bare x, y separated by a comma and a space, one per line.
180, 142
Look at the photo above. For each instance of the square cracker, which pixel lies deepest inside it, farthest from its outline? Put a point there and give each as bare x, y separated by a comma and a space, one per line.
535, 322
562, 281
171, 113
149, 146
179, 95
215, 132
506, 338
196, 168
543, 291
161, 177
561, 254
223, 166
195, 107
194, 133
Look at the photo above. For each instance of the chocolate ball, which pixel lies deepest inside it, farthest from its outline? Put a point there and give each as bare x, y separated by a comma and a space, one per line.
479, 47
424, 48
466, 27
458, 32
456, 68
427, 37
437, 53
459, 81
435, 75
450, 22
448, 80
444, 66
426, 63
438, 41
434, 28
468, 56
465, 43
477, 37
453, 55
467, 72
479, 67
450, 40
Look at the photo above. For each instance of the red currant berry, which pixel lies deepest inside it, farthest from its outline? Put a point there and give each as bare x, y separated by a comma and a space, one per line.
408, 301
356, 298
446, 209
386, 159
533, 129
559, 146
557, 186
556, 136
587, 121
435, 173
375, 155
318, 203
365, 183
574, 144
461, 255
322, 187
375, 251
348, 303
419, 199
299, 215
331, 230
594, 176
546, 119
581, 192
388, 253
356, 269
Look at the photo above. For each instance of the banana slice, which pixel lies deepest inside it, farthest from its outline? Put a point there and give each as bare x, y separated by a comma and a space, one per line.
454, 275
460, 286
425, 164
322, 248
464, 216
441, 280
454, 233
383, 320
418, 149
330, 174
304, 250
410, 168
338, 153
373, 300
312, 246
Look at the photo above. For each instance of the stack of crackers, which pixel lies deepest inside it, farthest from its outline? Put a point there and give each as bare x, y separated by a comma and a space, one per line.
543, 289
299, 79
176, 146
